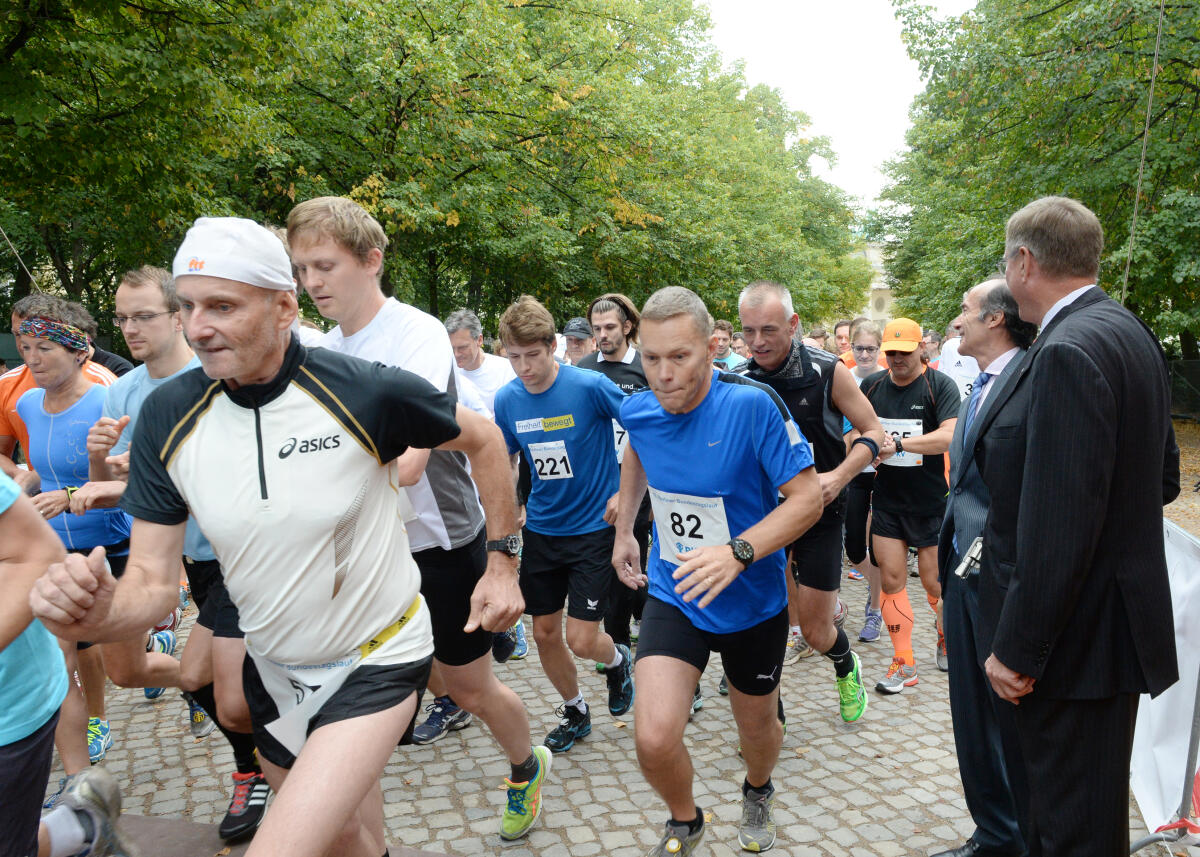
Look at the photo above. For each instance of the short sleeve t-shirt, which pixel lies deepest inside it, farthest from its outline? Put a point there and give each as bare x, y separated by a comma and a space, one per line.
17, 382
493, 373
916, 409
33, 678
713, 473
125, 398
961, 368
58, 452
566, 435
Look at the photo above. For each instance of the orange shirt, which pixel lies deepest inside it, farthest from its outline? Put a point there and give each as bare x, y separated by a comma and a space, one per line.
16, 382
847, 357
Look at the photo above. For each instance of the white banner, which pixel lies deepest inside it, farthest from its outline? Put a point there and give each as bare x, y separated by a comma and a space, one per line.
1164, 725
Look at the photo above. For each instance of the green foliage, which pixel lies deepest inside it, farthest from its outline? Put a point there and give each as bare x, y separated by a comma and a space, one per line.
1028, 99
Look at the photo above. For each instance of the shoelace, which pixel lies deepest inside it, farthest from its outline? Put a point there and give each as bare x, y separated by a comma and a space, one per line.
896, 666
516, 798
241, 794
755, 812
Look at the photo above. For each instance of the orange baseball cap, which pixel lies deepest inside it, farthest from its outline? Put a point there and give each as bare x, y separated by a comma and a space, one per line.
901, 334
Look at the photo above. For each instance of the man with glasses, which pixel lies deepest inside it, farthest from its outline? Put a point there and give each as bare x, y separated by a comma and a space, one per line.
147, 312
918, 409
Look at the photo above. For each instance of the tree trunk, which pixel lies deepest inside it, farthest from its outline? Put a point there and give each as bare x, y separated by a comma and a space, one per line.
1187, 345
474, 291
431, 266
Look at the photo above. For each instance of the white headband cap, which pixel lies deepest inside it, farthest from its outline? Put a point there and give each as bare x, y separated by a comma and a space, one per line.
234, 248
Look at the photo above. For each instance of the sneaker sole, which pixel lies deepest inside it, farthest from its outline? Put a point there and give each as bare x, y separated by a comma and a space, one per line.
882, 688
572, 744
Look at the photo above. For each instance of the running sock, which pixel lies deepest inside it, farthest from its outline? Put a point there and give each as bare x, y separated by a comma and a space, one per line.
693, 825
897, 615
578, 703
617, 661
839, 653
526, 771
794, 630
241, 742
765, 788
68, 831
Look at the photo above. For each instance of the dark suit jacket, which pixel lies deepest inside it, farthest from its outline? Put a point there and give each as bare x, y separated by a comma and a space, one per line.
1079, 457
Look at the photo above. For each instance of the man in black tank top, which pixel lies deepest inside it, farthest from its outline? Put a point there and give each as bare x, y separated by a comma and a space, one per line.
821, 395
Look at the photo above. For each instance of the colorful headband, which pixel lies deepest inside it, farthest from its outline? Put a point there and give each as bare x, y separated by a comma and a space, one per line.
64, 334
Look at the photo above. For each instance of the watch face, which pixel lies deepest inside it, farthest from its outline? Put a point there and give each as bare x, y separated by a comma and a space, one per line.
743, 551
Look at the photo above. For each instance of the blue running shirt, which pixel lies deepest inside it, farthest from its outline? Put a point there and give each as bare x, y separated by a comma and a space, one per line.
33, 678
713, 473
58, 452
566, 435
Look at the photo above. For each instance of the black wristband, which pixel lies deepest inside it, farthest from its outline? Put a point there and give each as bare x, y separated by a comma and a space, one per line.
869, 444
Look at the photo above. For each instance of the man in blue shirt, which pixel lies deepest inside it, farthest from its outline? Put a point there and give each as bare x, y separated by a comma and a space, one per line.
715, 451
560, 418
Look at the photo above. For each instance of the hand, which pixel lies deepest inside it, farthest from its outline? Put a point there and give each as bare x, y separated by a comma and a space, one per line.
829, 488
51, 503
496, 603
73, 597
28, 481
886, 450
521, 518
119, 465
627, 561
706, 572
96, 495
103, 436
1008, 684
610, 510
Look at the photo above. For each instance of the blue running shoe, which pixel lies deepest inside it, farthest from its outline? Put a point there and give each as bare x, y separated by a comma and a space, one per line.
444, 716
620, 683
575, 724
522, 649
100, 739
504, 643
162, 642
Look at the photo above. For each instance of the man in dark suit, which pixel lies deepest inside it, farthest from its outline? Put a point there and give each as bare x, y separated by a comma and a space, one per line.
984, 728
1078, 454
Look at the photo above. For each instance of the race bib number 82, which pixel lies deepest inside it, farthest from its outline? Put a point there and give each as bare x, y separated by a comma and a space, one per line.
685, 522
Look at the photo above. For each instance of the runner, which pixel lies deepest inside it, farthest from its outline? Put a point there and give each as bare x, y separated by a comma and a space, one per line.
337, 252
918, 407
716, 452
486, 371
560, 418
147, 312
821, 395
580, 341
726, 358
286, 456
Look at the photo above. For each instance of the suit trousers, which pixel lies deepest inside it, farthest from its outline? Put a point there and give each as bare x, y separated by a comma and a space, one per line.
1077, 753
984, 727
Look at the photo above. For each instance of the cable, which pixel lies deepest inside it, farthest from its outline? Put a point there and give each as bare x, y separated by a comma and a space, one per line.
18, 255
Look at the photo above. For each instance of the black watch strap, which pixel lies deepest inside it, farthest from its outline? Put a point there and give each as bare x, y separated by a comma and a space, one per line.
510, 545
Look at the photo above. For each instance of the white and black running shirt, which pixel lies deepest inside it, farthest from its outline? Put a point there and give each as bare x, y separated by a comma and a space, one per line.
294, 483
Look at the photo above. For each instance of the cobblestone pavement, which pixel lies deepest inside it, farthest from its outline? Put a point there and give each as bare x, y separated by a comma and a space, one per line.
887, 785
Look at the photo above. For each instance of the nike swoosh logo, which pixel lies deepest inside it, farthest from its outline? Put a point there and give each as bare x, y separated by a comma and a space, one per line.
713, 442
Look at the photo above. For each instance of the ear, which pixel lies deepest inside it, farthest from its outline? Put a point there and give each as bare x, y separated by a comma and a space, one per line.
626, 327
793, 324
287, 309
374, 260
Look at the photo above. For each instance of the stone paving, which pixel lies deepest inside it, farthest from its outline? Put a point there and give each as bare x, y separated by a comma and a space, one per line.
885, 786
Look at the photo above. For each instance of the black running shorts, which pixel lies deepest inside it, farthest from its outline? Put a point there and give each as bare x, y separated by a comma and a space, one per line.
817, 556
575, 570
24, 772
448, 578
916, 531
753, 658
217, 610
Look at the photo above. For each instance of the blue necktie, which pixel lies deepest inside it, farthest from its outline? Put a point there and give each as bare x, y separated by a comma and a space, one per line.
976, 394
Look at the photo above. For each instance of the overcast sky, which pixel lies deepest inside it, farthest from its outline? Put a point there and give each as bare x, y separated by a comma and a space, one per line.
840, 62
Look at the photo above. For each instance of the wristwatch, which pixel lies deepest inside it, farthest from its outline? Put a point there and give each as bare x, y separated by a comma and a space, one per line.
743, 552
510, 545
899, 444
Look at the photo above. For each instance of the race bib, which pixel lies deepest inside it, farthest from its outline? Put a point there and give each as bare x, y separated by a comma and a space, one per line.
685, 523
620, 440
550, 460
904, 429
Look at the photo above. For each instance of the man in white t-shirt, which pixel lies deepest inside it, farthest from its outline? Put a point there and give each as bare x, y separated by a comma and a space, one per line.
337, 252
486, 371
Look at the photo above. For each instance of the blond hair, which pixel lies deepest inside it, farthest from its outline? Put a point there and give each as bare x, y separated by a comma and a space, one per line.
527, 322
343, 220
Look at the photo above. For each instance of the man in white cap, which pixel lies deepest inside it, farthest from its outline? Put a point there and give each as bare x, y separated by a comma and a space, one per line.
286, 457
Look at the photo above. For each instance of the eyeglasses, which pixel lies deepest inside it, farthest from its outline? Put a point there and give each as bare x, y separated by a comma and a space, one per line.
865, 349
141, 318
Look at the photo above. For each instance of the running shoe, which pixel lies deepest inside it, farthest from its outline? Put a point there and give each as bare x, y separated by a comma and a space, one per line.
797, 648
522, 648
185, 596
504, 643
839, 615
872, 627
899, 676
162, 642
100, 739
575, 724
940, 657
95, 793
697, 702
171, 622
525, 799
248, 806
620, 683
854, 574
852, 696
444, 716
723, 685
56, 796
677, 841
198, 720
757, 830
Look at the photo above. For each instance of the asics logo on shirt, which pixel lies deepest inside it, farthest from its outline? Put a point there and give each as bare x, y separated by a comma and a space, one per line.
312, 444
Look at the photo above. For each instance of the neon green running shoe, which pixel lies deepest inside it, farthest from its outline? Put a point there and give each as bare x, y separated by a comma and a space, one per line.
525, 799
852, 696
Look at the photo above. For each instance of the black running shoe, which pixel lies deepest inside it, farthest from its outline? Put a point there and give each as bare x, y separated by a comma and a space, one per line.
249, 805
620, 683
